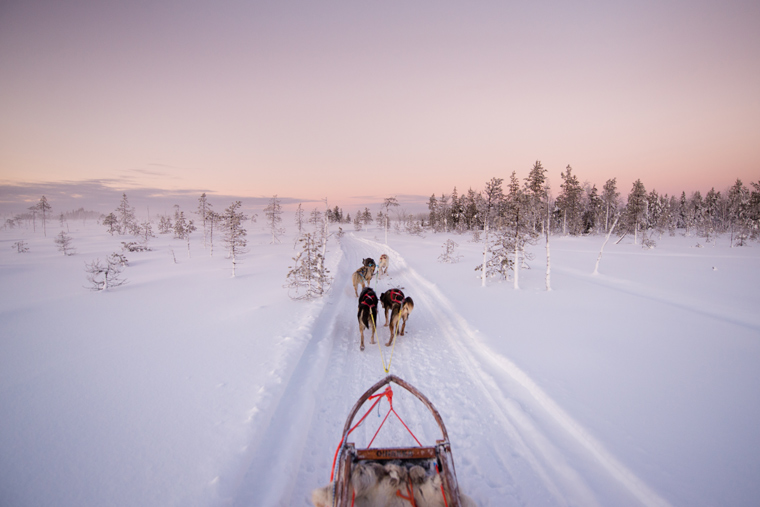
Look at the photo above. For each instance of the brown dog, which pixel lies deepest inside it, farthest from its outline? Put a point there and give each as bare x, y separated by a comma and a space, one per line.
363, 276
400, 312
387, 299
367, 314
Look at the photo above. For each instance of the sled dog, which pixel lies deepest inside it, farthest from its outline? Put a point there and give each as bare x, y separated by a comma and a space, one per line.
367, 314
382, 266
363, 276
400, 312
391, 485
387, 299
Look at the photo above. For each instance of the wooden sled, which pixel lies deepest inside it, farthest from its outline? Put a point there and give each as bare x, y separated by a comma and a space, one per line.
440, 453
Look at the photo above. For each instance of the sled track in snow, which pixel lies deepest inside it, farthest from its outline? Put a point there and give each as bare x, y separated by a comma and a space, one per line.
512, 444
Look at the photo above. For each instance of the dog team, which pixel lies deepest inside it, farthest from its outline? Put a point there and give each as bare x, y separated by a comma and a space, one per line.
394, 484
393, 300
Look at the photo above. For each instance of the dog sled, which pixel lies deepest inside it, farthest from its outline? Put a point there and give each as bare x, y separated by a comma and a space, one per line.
437, 458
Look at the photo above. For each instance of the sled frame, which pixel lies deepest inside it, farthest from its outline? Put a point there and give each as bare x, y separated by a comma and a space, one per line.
441, 451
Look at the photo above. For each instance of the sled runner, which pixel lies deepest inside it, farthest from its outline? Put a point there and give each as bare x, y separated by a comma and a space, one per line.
437, 458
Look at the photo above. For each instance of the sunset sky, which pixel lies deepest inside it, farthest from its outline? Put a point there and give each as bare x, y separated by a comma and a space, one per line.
357, 100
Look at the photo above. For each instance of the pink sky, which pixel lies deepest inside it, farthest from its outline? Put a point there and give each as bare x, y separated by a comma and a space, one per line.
344, 99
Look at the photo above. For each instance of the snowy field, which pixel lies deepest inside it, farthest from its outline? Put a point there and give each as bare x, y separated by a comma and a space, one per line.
638, 386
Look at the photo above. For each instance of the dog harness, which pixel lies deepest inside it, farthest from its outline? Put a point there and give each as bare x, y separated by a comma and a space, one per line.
370, 299
396, 296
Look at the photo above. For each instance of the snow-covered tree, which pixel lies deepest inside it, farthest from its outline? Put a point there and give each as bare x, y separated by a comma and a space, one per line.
43, 207
111, 222
63, 241
146, 231
449, 254
636, 209
610, 197
518, 221
536, 194
105, 276
366, 217
308, 278
204, 207
299, 219
183, 228
489, 208
234, 232
389, 202
273, 213
165, 225
570, 202
125, 216
62, 220
739, 213
212, 219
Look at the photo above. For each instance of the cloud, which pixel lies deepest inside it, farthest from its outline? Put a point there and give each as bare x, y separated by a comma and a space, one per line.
104, 195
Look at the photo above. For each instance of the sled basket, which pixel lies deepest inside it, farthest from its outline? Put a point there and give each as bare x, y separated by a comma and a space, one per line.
440, 453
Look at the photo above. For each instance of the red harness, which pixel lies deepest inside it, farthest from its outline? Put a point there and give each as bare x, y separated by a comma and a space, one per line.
396, 296
369, 300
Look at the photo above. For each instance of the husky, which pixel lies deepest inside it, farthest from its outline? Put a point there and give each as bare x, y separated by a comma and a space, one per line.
370, 263
367, 314
382, 266
391, 485
363, 276
387, 299
400, 312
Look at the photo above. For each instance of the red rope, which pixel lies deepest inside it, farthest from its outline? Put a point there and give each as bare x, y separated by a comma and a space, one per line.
388, 393
409, 491
442, 491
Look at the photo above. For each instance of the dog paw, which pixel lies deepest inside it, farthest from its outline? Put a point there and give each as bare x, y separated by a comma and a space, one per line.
361, 347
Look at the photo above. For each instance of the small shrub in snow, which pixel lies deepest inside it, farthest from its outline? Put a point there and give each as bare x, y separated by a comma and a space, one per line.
63, 241
449, 254
117, 258
133, 246
20, 247
104, 276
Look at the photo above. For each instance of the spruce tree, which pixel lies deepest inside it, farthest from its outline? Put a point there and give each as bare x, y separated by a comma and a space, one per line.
234, 232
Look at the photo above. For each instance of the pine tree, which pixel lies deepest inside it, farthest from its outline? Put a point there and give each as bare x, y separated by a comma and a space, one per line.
636, 209
593, 213
273, 212
125, 215
738, 212
569, 202
536, 195
111, 222
518, 224
308, 273
183, 228
366, 217
315, 218
204, 208
63, 241
44, 207
449, 254
387, 204
433, 209
234, 232
213, 219
610, 197
299, 219
490, 206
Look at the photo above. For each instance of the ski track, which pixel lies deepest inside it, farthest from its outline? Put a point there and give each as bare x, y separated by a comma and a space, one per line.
479, 395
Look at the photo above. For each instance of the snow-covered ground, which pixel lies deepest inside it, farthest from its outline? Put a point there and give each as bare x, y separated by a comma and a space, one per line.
186, 387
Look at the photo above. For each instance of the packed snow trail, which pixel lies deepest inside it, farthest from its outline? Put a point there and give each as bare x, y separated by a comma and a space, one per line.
512, 444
